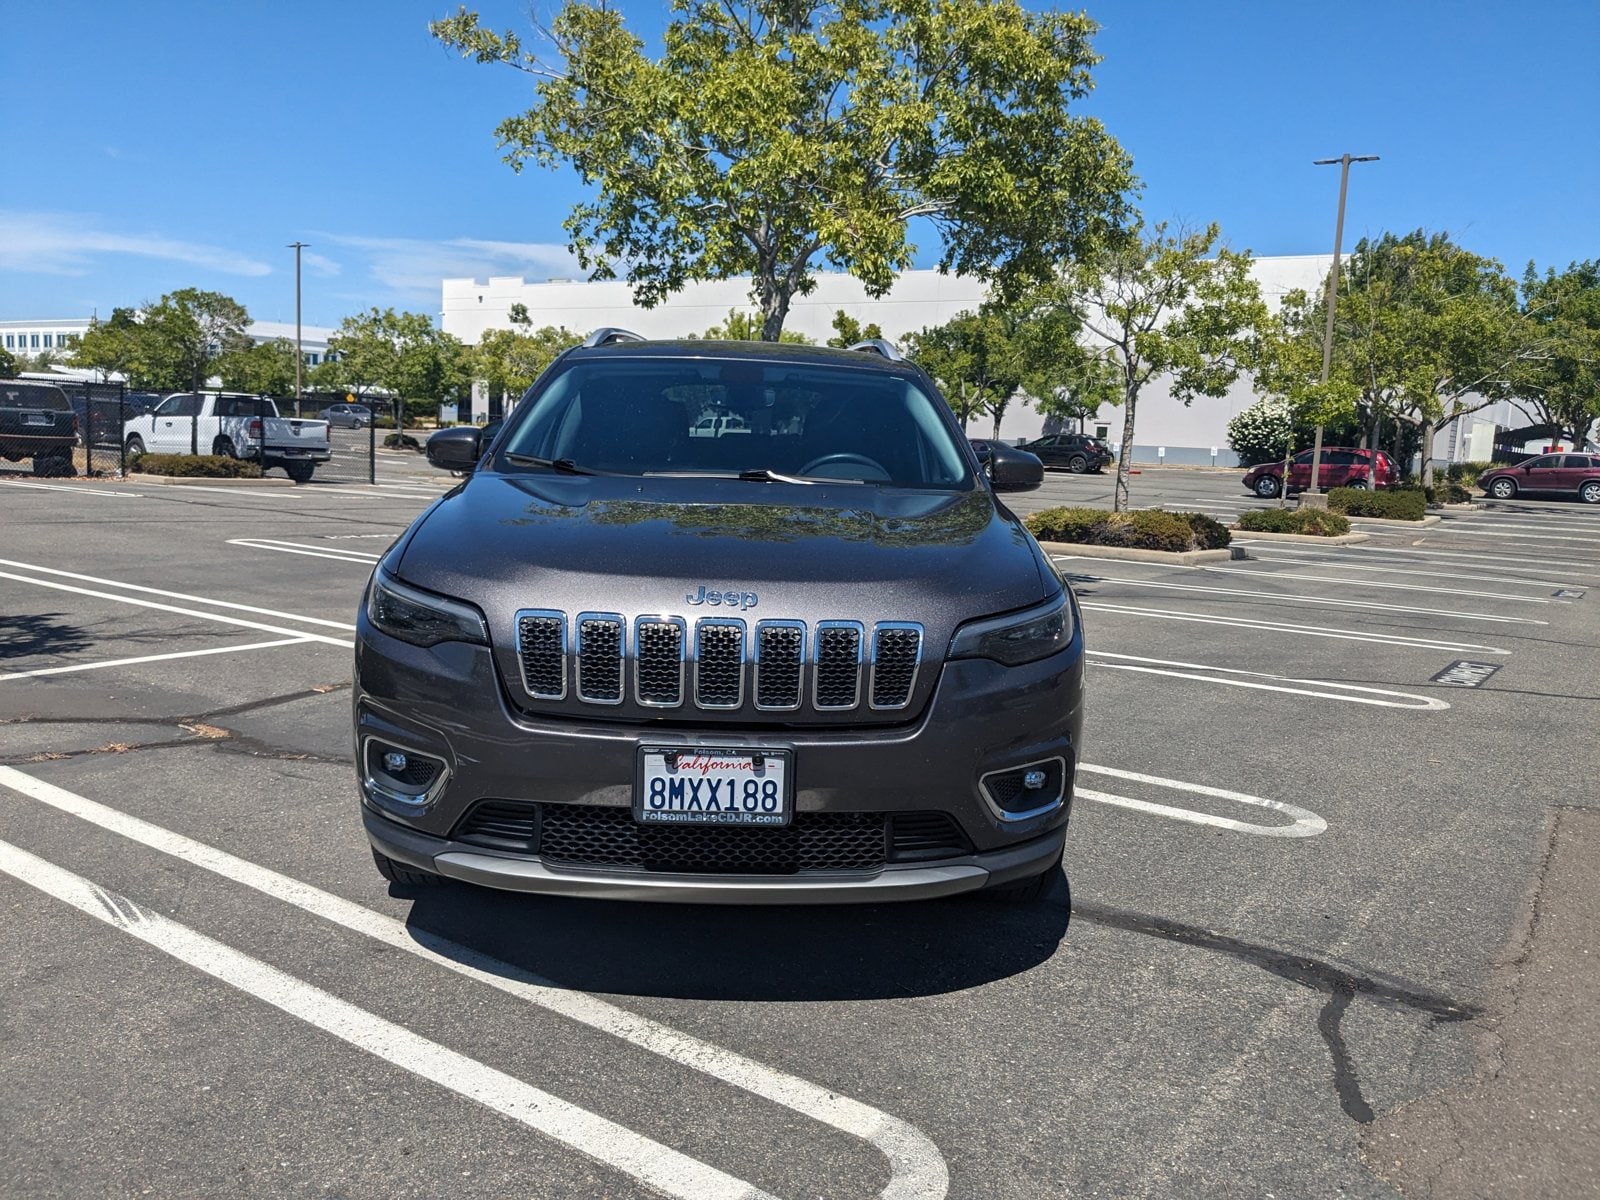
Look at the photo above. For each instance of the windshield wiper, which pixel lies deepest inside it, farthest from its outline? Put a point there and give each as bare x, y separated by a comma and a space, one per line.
565, 465
748, 475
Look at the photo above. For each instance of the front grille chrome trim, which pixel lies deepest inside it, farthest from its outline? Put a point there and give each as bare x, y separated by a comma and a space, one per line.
591, 690
648, 695
776, 628
878, 631
546, 616
703, 680
821, 644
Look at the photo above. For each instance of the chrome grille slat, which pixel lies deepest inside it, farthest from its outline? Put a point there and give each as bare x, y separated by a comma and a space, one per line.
836, 665
599, 643
896, 658
542, 651
659, 645
780, 665
719, 663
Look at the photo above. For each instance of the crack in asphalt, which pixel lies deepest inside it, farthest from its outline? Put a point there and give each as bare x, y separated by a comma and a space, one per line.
1341, 987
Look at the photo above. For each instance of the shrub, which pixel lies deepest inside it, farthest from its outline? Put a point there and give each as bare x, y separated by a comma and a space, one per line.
1397, 504
1258, 434
1314, 521
401, 441
1147, 529
207, 466
1466, 474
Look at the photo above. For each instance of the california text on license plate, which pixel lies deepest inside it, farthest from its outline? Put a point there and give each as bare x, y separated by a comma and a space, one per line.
704, 786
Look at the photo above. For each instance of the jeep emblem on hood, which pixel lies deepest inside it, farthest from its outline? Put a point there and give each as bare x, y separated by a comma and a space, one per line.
727, 599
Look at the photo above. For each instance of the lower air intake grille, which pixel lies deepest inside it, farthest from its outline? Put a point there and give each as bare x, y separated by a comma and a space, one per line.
584, 835
501, 825
919, 837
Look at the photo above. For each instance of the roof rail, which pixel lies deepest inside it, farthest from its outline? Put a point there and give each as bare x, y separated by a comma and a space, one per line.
608, 334
880, 346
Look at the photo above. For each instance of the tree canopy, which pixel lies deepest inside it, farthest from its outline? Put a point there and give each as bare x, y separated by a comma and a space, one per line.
1176, 304
182, 335
773, 135
398, 353
1557, 378
264, 367
508, 361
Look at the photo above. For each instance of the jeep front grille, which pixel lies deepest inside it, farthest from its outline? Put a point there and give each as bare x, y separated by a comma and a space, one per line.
719, 663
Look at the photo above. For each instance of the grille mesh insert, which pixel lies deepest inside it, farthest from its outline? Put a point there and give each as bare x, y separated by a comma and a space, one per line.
719, 665
894, 669
659, 662
778, 665
838, 680
600, 659
541, 644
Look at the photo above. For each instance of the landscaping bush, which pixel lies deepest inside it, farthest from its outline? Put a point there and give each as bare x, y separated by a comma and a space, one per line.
1397, 504
401, 441
1466, 474
205, 466
1314, 521
1147, 529
1447, 492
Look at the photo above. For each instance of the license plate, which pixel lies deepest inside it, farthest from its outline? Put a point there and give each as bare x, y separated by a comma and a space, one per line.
712, 786
35, 419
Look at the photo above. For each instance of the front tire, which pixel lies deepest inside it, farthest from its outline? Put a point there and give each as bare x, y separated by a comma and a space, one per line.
1589, 493
1077, 464
1503, 489
1031, 890
54, 466
1359, 485
135, 447
1267, 487
300, 472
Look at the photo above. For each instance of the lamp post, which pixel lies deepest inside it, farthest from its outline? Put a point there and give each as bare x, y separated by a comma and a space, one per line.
299, 357
1344, 161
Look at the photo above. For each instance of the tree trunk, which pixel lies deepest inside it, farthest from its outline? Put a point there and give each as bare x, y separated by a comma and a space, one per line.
1130, 400
1427, 453
774, 298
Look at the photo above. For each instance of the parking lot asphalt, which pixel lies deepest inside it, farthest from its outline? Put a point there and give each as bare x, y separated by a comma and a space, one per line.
1301, 870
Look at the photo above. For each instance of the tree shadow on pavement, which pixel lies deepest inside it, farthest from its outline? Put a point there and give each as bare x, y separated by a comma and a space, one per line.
29, 635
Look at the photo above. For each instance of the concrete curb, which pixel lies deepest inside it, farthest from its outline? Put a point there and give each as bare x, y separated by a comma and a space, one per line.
1343, 539
1185, 558
1422, 524
205, 481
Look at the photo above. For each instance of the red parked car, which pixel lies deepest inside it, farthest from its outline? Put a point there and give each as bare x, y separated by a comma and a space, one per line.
1548, 475
1342, 466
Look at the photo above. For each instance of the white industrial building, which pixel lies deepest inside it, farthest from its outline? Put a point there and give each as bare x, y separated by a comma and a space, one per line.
36, 337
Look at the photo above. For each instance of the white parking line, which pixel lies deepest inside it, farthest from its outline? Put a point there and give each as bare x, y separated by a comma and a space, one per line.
1515, 537
1320, 631
220, 493
1294, 576
1331, 601
150, 591
1203, 673
338, 554
78, 490
185, 612
1427, 554
1304, 823
647, 1161
1322, 559
148, 658
917, 1169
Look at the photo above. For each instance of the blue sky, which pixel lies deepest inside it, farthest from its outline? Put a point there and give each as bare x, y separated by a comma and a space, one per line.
180, 143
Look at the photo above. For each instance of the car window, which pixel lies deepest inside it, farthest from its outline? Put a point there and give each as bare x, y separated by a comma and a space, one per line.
179, 406
22, 395
652, 416
1303, 458
1575, 460
1548, 460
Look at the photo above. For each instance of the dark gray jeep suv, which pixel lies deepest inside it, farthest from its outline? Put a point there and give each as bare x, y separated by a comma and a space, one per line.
720, 622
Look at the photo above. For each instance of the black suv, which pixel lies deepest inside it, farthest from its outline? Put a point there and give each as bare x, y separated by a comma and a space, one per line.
1077, 452
37, 422
808, 656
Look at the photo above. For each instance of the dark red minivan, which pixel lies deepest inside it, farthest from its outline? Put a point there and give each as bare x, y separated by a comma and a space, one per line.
1342, 466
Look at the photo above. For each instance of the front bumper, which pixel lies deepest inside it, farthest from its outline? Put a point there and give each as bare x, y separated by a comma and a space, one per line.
447, 702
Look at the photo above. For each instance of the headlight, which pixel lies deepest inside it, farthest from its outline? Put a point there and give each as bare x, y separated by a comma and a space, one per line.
1020, 637
422, 618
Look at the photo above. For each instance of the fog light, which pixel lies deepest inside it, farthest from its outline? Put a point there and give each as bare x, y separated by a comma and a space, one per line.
1026, 791
395, 761
1033, 779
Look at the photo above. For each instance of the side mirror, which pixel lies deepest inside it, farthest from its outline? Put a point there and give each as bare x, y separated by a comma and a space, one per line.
1012, 470
455, 449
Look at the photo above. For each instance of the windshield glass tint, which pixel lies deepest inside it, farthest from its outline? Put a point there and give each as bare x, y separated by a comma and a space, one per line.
724, 417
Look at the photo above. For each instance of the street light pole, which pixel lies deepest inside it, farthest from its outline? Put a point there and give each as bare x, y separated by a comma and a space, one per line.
299, 357
1344, 161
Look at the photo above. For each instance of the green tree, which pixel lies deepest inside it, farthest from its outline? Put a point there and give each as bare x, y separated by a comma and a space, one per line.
266, 368
847, 331
1178, 305
182, 335
745, 327
113, 346
1425, 330
8, 364
1556, 381
974, 360
507, 362
400, 354
772, 132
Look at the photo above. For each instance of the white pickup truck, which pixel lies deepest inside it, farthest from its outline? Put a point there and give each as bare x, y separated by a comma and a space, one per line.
233, 424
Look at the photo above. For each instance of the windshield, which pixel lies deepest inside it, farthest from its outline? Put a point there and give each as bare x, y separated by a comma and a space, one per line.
678, 416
